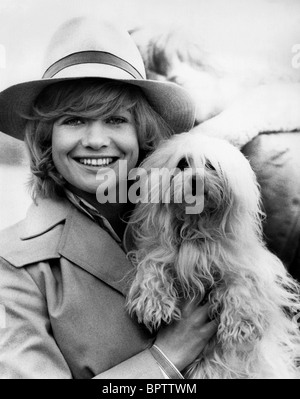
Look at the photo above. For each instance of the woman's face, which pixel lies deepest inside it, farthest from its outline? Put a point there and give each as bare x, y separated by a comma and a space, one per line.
84, 148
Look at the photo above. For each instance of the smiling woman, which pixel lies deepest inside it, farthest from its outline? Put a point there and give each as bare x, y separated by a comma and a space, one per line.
83, 148
74, 130
63, 268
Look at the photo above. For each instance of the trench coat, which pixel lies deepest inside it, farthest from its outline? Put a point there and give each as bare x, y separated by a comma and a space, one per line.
62, 294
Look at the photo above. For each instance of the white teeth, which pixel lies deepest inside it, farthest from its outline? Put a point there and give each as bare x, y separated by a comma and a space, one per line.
96, 162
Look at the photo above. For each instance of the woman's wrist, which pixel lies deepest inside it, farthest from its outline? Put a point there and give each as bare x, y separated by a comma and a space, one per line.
165, 363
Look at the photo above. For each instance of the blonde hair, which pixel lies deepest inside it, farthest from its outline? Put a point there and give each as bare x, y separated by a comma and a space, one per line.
91, 98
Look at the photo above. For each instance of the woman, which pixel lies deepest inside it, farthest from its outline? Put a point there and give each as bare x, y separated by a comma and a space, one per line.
62, 269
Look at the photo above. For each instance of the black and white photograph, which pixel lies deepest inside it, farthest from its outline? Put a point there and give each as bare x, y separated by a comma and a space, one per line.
150, 192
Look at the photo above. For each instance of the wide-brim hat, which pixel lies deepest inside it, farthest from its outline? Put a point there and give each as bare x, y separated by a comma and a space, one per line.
89, 48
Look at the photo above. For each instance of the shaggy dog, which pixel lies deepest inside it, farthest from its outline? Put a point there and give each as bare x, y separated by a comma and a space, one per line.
200, 237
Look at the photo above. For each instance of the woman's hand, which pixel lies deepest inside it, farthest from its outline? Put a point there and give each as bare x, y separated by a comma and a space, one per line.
183, 340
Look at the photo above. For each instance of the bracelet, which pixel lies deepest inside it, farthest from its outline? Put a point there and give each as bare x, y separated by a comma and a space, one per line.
167, 366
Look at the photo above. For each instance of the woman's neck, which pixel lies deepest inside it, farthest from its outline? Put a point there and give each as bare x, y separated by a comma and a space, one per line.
113, 212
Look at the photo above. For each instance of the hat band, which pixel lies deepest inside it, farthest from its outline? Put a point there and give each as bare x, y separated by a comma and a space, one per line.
91, 57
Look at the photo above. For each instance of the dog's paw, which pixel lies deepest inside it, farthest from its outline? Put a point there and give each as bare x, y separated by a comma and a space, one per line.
152, 312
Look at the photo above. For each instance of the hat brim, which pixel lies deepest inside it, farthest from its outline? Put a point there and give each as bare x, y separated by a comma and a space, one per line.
169, 100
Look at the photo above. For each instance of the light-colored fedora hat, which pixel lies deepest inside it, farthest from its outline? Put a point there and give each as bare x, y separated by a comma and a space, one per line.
83, 48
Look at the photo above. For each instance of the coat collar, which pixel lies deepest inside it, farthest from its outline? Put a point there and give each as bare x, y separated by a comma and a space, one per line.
42, 216
57, 229
87, 245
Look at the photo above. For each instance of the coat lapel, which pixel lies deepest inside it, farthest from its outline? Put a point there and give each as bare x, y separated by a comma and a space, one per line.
43, 216
87, 245
54, 229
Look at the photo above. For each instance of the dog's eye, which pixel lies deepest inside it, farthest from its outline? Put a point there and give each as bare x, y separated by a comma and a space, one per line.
209, 166
183, 164
194, 185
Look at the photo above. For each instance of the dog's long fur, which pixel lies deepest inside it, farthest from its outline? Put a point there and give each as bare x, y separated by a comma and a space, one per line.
218, 254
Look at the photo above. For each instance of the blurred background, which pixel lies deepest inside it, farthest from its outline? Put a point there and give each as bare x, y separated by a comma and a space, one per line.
251, 40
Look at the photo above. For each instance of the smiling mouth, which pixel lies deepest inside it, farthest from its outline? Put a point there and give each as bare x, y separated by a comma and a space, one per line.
96, 162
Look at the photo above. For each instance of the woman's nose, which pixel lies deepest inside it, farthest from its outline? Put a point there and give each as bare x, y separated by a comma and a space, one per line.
95, 135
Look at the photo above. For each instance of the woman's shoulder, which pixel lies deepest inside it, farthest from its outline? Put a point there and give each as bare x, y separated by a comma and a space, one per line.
36, 238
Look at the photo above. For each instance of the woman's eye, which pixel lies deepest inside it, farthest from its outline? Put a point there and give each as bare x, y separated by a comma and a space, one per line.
74, 121
116, 120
